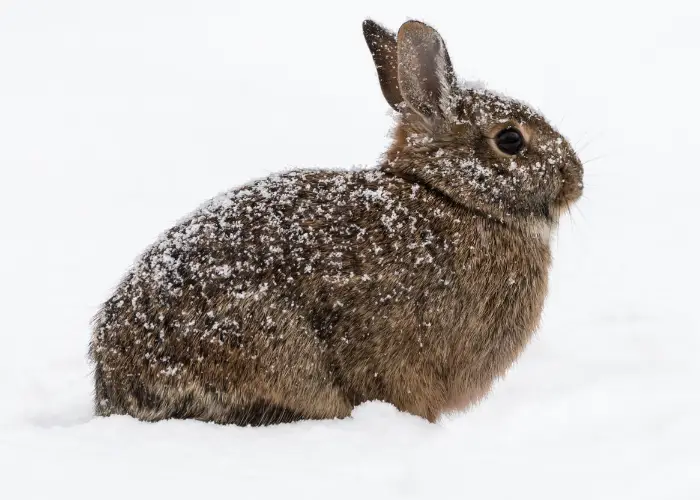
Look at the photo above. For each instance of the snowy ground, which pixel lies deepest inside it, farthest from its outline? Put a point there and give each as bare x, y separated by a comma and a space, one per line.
116, 118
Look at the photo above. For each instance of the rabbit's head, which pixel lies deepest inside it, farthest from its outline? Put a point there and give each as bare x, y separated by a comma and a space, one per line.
481, 149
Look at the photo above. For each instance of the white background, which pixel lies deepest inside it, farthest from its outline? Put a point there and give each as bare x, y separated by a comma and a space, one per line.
118, 118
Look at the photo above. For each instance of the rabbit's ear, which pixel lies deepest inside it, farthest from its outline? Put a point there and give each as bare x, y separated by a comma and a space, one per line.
382, 45
426, 78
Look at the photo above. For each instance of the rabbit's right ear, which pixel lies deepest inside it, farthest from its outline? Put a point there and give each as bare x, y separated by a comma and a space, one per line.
426, 78
382, 45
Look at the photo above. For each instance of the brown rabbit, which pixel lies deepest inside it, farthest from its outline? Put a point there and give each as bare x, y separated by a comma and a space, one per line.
306, 293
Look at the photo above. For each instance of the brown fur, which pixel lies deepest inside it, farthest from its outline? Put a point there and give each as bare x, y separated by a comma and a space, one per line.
306, 293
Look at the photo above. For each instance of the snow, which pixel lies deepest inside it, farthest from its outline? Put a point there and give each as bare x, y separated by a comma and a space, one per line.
117, 119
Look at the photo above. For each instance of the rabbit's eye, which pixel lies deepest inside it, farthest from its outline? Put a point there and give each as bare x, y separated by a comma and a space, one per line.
510, 141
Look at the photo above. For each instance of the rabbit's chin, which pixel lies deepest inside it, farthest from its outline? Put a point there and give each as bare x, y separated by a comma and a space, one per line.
541, 229
559, 209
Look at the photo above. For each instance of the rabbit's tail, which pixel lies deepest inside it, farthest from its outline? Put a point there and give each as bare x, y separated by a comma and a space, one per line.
103, 406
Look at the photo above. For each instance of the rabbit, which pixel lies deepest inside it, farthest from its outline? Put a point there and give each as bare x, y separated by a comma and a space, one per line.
303, 294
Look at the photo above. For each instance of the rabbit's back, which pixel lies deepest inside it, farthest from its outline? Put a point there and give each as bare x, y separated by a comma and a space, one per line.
263, 290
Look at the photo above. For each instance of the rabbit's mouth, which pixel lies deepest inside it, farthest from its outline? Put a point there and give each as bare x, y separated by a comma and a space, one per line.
571, 187
571, 190
565, 199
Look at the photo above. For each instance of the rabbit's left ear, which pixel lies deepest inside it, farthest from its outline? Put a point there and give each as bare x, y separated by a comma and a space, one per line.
382, 45
426, 78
